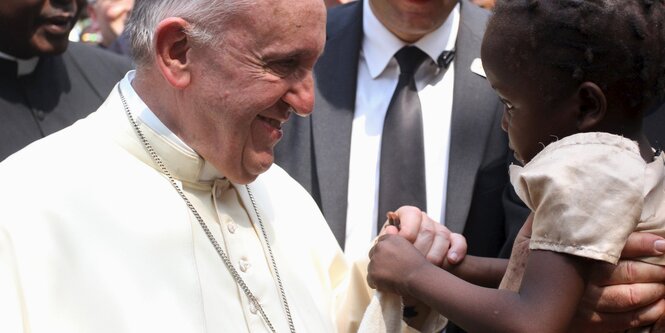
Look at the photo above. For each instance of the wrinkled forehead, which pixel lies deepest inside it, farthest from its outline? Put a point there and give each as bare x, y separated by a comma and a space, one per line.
285, 13
280, 22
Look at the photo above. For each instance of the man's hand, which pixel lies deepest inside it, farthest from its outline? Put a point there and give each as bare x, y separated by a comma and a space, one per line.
439, 245
627, 295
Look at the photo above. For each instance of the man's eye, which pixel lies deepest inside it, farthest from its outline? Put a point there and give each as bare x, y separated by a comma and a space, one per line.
283, 67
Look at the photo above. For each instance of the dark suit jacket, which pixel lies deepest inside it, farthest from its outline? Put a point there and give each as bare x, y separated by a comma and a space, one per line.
62, 89
654, 127
315, 150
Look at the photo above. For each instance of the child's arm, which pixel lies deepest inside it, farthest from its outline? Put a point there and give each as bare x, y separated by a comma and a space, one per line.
551, 289
481, 271
488, 272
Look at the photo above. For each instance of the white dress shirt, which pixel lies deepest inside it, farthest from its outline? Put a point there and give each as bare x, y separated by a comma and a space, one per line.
378, 72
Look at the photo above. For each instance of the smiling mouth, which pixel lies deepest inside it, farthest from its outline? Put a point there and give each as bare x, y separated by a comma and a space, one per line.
272, 122
57, 25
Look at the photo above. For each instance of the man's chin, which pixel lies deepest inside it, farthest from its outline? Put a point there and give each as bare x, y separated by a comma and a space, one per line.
252, 170
42, 45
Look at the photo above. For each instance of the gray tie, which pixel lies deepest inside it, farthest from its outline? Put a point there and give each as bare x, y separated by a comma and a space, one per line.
402, 169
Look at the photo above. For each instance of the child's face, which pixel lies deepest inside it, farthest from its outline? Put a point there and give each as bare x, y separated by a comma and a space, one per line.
531, 119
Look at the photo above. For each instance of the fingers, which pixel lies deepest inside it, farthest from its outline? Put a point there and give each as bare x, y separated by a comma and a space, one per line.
458, 248
427, 235
626, 272
437, 250
411, 219
621, 298
611, 322
431, 238
370, 281
659, 326
390, 230
641, 244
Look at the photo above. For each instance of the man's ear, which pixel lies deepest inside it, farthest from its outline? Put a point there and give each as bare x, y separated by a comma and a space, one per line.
592, 106
173, 45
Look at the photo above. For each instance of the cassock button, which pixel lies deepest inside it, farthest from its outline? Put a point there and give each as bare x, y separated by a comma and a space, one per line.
244, 265
40, 115
231, 227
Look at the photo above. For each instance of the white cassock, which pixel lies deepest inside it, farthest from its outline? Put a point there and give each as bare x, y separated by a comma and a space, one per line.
93, 238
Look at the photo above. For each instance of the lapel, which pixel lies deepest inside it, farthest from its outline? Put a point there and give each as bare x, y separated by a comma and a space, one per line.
472, 117
335, 77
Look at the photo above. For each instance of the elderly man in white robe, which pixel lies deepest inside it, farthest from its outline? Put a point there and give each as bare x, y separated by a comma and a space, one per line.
161, 212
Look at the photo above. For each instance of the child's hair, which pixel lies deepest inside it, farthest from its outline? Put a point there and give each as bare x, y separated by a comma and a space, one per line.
617, 44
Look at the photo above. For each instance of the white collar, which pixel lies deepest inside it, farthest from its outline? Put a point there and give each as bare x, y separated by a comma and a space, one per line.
24, 66
379, 44
140, 110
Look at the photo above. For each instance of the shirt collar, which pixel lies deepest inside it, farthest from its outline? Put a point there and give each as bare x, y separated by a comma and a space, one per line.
25, 66
379, 44
140, 111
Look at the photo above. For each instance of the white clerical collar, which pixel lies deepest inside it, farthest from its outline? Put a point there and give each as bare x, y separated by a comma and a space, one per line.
24, 66
379, 44
140, 110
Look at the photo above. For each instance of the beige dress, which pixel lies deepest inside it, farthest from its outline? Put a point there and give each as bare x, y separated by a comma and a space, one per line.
588, 192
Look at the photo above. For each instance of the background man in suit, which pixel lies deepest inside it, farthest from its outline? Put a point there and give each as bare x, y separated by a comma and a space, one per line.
44, 84
335, 153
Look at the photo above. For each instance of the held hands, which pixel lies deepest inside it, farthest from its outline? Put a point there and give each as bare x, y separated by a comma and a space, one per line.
627, 295
418, 242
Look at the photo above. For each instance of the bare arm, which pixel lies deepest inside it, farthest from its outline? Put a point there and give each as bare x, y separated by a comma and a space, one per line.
552, 286
488, 272
481, 271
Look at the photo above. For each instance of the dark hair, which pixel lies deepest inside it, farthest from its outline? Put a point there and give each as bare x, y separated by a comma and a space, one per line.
617, 44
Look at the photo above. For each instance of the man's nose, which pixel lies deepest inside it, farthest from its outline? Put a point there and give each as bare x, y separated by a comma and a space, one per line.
300, 96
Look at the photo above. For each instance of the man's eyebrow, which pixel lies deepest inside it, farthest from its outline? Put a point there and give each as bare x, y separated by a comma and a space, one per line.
292, 54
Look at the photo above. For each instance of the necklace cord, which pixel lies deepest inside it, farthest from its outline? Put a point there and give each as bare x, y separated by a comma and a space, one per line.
225, 258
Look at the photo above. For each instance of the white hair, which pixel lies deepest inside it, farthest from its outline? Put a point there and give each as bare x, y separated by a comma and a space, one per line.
207, 19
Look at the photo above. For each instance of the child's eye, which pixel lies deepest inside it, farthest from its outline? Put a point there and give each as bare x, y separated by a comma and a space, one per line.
509, 107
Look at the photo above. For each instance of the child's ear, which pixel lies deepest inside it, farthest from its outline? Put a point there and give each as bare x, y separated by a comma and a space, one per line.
592, 106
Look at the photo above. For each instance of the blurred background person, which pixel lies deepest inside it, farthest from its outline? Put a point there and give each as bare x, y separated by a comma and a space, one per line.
333, 3
107, 22
46, 82
489, 4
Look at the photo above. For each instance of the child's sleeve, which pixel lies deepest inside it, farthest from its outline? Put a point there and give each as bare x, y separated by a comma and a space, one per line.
587, 194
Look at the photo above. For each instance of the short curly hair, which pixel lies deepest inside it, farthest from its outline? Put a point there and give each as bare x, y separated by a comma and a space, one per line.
617, 44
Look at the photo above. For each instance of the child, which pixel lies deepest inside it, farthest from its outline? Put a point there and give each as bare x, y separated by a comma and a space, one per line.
576, 77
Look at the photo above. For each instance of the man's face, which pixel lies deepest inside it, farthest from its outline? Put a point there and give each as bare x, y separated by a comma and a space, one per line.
412, 19
109, 16
33, 27
243, 89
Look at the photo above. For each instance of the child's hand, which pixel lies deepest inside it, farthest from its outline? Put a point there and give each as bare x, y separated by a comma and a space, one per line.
393, 259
